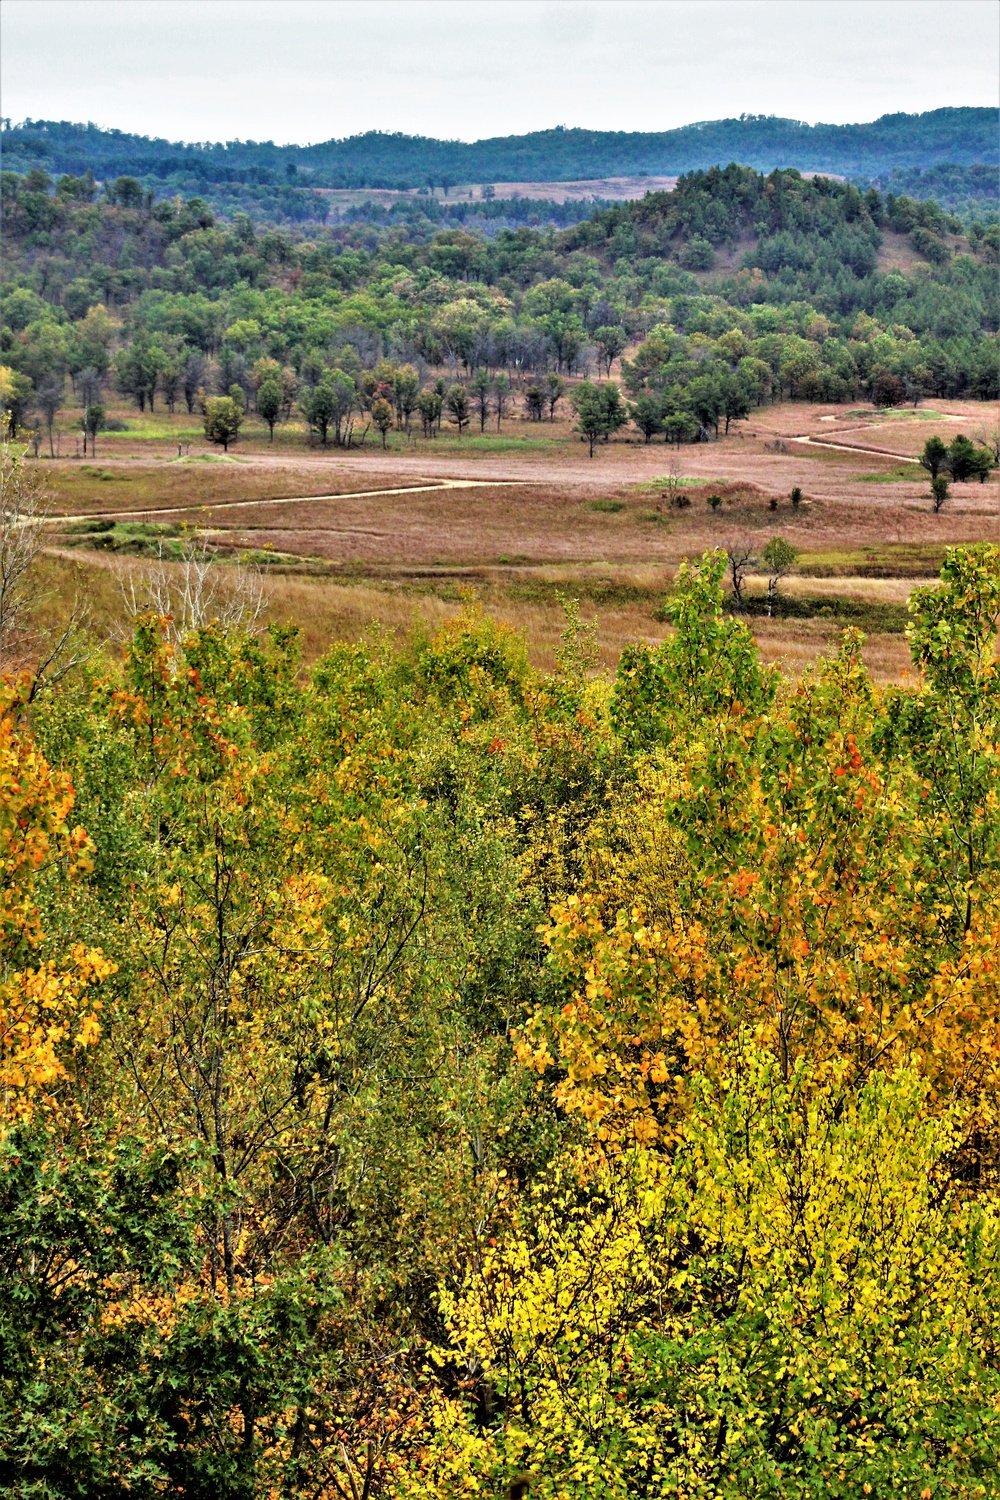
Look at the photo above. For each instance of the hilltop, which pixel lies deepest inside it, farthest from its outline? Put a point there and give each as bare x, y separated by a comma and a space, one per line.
287, 176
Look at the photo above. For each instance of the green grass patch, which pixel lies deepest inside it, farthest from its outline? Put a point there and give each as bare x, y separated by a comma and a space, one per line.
908, 472
663, 484
165, 429
107, 476
472, 443
901, 414
890, 560
209, 458
875, 616
606, 507
129, 538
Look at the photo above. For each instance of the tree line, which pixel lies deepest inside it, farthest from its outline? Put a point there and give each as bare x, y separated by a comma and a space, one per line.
382, 159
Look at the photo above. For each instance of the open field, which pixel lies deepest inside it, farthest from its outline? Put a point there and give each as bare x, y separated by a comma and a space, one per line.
471, 192
349, 537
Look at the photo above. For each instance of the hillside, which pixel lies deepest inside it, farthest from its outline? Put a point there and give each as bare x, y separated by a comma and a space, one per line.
961, 136
734, 289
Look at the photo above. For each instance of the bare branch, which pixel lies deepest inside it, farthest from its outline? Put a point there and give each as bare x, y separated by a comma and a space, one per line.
740, 551
195, 592
23, 507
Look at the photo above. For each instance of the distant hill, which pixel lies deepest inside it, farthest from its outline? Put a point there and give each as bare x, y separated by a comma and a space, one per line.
959, 136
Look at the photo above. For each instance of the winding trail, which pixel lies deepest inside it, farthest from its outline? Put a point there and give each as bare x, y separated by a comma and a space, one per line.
812, 442
153, 513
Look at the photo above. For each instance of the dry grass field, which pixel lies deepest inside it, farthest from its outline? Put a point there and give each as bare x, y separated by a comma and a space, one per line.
346, 538
583, 190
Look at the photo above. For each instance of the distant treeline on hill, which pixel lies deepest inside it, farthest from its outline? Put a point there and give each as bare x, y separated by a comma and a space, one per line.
969, 192
376, 159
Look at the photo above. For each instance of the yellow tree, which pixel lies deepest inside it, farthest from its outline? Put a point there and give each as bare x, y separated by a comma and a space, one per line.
47, 1010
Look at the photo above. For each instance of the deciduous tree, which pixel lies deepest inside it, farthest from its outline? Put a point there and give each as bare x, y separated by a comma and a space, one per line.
223, 420
269, 403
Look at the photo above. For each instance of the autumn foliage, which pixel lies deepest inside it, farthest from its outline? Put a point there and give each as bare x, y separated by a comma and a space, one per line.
426, 1076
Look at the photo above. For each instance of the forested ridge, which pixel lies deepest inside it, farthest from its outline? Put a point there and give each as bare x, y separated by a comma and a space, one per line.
963, 136
733, 290
428, 1076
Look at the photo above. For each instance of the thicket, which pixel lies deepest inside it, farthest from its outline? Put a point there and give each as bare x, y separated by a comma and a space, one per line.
116, 295
425, 1071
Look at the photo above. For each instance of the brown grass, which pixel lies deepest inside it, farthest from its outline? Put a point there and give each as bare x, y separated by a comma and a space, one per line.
520, 524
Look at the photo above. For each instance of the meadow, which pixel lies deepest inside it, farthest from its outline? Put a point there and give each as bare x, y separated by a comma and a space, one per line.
345, 539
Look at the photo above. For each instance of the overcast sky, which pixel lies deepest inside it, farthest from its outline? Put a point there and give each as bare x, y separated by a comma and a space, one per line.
296, 71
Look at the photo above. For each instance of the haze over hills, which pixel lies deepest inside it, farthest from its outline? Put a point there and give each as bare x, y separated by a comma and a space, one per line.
962, 136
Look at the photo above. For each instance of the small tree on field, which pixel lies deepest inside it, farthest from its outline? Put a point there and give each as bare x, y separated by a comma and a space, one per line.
534, 400
429, 407
405, 390
501, 397
269, 402
50, 399
939, 491
457, 402
480, 388
319, 407
796, 497
778, 556
554, 388
673, 484
223, 420
600, 411
589, 412
382, 416
93, 421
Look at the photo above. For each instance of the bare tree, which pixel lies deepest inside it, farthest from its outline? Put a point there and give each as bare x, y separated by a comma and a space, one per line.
23, 508
89, 387
195, 591
677, 495
501, 397
50, 399
23, 512
989, 438
740, 555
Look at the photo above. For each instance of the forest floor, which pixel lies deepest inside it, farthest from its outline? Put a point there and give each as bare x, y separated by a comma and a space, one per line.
348, 537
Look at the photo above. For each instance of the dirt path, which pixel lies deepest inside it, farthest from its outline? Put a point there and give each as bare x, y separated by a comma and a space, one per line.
194, 505
811, 442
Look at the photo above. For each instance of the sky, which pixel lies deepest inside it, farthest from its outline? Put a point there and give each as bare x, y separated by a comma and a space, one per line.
300, 71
